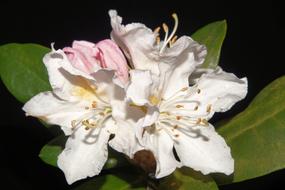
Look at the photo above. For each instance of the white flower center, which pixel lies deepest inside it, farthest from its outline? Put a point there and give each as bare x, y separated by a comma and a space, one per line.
175, 113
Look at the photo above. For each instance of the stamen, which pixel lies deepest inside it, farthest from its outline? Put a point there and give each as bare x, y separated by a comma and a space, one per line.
184, 89
198, 91
179, 106
196, 108
166, 30
156, 30
157, 40
199, 121
173, 40
178, 117
86, 107
174, 16
204, 122
94, 104
209, 107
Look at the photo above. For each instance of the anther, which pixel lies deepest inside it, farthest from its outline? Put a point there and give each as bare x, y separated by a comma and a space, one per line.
184, 89
198, 91
179, 106
178, 117
94, 104
86, 107
196, 108
156, 30
209, 107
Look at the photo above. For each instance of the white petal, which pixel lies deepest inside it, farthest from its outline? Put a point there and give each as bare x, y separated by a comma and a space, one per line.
150, 117
84, 155
126, 117
137, 41
161, 145
125, 140
217, 91
62, 74
140, 87
224, 87
53, 110
204, 150
187, 55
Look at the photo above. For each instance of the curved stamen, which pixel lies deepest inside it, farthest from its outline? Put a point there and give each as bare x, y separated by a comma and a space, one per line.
166, 41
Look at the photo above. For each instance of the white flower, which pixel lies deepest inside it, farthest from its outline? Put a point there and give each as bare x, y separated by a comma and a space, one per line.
177, 115
180, 120
89, 108
144, 49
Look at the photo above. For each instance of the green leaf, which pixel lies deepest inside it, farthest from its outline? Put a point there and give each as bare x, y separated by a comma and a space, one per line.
185, 178
257, 135
22, 69
212, 36
50, 152
123, 180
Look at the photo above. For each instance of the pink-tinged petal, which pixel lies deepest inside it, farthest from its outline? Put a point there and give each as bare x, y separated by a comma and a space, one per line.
110, 56
83, 55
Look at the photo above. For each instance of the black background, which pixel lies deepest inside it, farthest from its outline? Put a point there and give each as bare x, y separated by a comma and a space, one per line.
252, 48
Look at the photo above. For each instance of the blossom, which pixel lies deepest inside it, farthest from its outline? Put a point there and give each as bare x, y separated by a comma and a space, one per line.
177, 112
89, 57
88, 106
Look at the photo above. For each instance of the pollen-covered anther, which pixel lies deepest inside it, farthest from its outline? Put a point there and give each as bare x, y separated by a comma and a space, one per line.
184, 89
209, 107
178, 117
94, 104
199, 120
88, 125
196, 108
73, 124
198, 91
175, 126
179, 106
156, 30
176, 135
204, 122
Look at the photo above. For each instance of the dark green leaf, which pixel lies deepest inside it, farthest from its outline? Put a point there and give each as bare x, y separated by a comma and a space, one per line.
257, 135
50, 152
185, 179
212, 36
22, 69
126, 179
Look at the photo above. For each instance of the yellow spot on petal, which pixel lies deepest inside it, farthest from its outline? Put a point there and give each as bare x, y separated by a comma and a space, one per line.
154, 100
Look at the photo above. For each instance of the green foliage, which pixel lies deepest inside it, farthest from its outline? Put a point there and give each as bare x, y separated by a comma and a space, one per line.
257, 135
127, 180
212, 36
185, 178
22, 69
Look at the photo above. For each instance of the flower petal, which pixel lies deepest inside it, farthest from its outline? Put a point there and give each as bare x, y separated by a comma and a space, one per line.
83, 55
53, 110
111, 57
180, 61
218, 91
62, 74
84, 155
137, 42
161, 145
204, 150
140, 87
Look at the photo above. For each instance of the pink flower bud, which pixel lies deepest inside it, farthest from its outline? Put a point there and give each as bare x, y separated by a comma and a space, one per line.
87, 56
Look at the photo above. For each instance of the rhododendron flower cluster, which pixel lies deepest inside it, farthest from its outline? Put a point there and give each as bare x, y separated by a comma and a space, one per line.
144, 92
